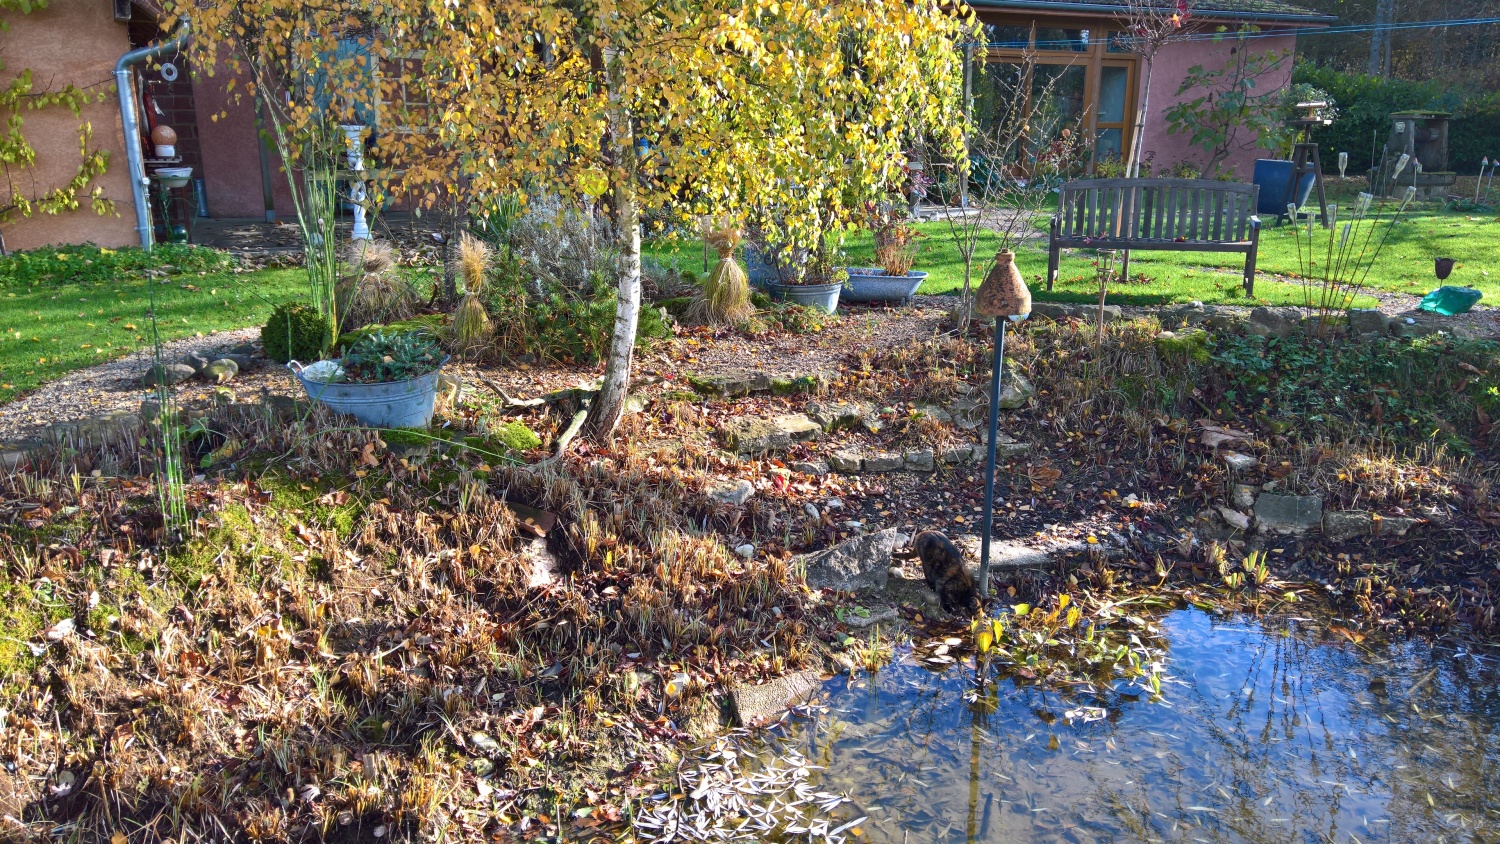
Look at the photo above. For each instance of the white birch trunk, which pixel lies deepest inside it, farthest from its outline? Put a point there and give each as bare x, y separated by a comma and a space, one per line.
609, 405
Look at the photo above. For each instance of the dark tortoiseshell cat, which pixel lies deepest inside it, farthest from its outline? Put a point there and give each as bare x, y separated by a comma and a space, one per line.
943, 569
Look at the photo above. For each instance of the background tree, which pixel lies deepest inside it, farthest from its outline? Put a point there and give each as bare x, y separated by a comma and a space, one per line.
1150, 25
680, 107
23, 195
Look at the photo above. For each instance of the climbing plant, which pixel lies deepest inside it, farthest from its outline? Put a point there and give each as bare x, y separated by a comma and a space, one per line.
23, 195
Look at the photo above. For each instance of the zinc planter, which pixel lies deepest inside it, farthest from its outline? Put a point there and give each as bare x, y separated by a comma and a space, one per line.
825, 296
397, 404
871, 284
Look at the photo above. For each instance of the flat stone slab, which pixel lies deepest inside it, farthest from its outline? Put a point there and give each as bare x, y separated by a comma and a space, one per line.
757, 436
733, 493
1288, 513
744, 382
833, 415
884, 461
755, 706
861, 563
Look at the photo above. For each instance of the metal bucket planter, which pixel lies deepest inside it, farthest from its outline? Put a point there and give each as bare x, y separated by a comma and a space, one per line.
397, 404
825, 296
871, 284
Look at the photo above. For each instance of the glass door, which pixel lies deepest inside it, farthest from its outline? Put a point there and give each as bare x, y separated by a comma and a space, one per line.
1112, 116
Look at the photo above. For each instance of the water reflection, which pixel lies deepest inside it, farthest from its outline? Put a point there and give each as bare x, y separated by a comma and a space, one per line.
1274, 731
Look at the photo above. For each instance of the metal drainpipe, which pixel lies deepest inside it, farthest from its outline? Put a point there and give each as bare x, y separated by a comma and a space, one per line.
133, 154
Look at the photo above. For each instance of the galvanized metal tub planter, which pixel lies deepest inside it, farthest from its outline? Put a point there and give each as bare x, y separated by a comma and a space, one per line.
395, 404
871, 284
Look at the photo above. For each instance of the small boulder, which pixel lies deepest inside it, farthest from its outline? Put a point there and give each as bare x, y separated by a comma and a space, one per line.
730, 384
1289, 513
733, 493
168, 374
758, 705
846, 462
756, 436
838, 414
816, 468
1234, 518
1364, 321
1015, 390
1052, 310
957, 454
1242, 496
1275, 322
861, 563
921, 460
1343, 525
746, 550
197, 360
1239, 462
884, 461
246, 363
220, 371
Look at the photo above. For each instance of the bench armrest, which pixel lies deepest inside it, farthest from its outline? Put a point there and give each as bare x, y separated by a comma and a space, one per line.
1254, 221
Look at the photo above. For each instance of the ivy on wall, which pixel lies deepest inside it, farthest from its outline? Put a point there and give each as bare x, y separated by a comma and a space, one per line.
22, 194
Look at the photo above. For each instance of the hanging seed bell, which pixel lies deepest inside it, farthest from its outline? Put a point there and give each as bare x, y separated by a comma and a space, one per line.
1004, 293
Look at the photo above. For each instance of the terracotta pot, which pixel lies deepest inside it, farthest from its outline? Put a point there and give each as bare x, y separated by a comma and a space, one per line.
1003, 293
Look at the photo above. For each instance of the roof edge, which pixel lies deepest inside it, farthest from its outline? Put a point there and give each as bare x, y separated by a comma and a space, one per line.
1308, 19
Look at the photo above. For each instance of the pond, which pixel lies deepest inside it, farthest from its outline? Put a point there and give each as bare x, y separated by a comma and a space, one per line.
1280, 730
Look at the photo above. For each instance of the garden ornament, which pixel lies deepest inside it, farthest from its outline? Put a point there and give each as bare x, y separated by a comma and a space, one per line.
1004, 296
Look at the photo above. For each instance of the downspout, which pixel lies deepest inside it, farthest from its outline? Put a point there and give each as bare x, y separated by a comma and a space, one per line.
135, 159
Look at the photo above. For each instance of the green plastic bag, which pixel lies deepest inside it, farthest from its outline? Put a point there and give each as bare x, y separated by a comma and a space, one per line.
1450, 301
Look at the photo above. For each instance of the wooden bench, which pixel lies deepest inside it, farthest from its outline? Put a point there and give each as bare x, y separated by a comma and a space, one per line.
1180, 215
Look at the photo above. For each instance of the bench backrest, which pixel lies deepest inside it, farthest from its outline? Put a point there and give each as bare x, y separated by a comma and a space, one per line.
1157, 209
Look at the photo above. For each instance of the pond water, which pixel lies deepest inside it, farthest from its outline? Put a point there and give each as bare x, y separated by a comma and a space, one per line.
1271, 731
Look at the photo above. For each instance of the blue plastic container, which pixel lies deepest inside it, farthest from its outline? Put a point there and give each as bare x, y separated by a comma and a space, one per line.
1272, 175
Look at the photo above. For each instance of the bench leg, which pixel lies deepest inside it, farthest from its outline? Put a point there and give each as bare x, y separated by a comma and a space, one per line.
1052, 258
1250, 269
1125, 265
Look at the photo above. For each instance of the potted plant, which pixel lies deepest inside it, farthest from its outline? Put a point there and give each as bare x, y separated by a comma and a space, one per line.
383, 380
814, 282
896, 251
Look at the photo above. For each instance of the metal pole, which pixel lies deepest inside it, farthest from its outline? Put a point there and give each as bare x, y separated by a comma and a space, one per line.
989, 464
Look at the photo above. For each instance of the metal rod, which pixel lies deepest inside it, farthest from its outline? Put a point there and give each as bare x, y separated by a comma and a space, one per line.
989, 464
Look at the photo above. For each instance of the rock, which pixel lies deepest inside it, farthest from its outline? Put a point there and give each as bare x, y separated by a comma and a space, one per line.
14, 455
956, 454
168, 374
1224, 322
1275, 322
811, 510
1187, 344
220, 371
747, 550
1192, 313
247, 349
858, 564
846, 462
935, 412
973, 410
920, 461
816, 468
1006, 447
197, 360
884, 461
1395, 525
246, 363
1288, 513
755, 436
1014, 554
1239, 462
1368, 321
788, 385
855, 525
840, 414
1052, 310
757, 705
1343, 525
1242, 496
1112, 313
1234, 518
834, 504
733, 493
730, 384
878, 617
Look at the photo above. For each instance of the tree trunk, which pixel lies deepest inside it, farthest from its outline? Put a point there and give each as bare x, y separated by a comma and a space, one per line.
1133, 166
1379, 63
609, 405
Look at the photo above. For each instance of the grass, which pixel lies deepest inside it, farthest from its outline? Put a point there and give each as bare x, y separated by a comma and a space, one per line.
1213, 278
49, 329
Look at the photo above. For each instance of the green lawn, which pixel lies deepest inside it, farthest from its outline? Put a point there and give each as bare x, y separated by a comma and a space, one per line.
48, 329
1405, 265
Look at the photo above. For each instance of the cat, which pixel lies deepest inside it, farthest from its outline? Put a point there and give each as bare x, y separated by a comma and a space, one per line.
943, 570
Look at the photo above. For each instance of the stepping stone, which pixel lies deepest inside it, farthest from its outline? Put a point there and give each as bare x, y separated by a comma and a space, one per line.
884, 461
1288, 513
757, 705
840, 414
920, 461
756, 436
847, 462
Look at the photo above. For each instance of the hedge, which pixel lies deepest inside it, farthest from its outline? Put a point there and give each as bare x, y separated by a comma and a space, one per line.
1365, 104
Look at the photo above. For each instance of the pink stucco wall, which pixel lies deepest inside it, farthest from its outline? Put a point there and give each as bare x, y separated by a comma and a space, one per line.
1171, 67
231, 151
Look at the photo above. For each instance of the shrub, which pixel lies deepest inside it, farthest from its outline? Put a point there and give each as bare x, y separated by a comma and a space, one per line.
296, 332
89, 264
381, 358
375, 292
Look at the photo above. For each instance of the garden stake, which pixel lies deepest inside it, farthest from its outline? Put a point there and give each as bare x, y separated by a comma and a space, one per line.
1004, 296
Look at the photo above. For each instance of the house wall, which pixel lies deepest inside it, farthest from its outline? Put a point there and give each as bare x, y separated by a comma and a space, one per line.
230, 146
77, 42
1171, 67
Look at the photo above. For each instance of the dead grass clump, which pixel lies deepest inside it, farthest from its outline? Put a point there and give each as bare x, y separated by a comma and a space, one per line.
375, 293
725, 297
471, 328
